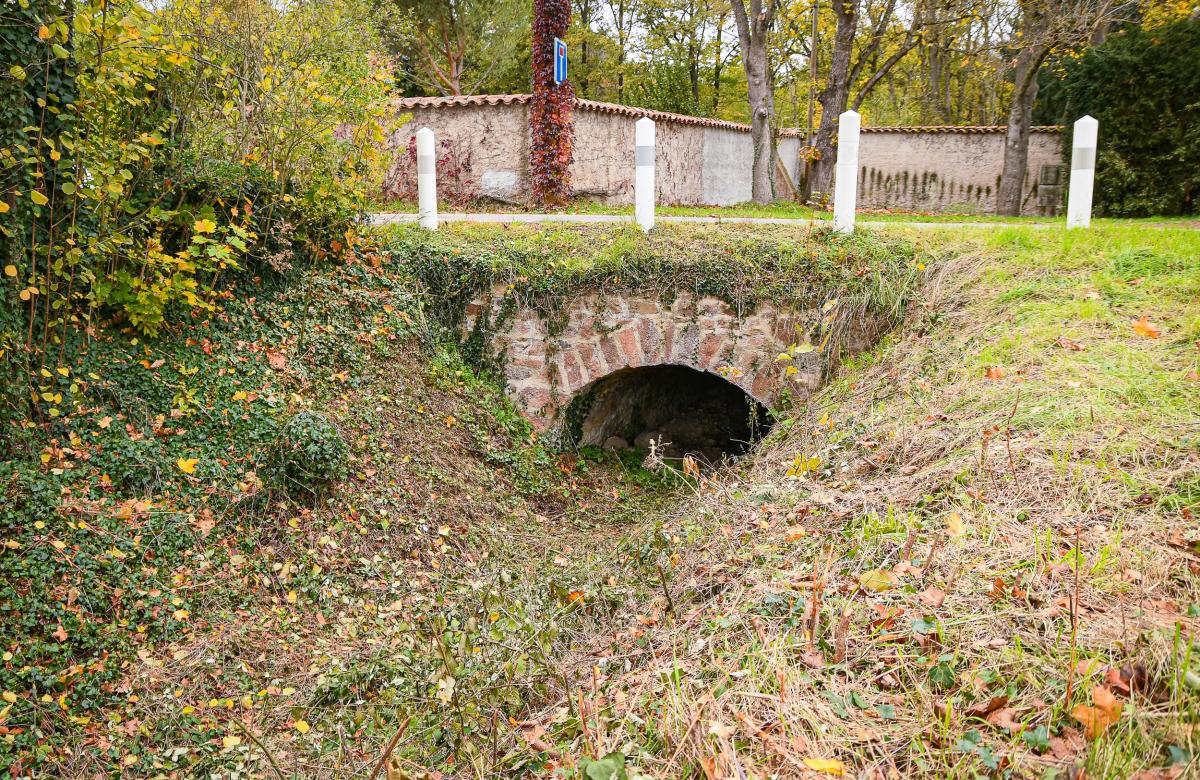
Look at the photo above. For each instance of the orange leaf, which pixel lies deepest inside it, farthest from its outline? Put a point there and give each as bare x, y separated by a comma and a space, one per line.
1096, 719
1144, 327
995, 373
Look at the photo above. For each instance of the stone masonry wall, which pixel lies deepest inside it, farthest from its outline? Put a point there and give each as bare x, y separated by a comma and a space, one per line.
603, 334
704, 161
954, 172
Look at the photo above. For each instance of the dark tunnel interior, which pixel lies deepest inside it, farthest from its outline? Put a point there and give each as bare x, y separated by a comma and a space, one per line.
682, 410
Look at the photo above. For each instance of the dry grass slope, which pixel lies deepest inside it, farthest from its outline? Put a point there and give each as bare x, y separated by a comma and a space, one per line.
974, 555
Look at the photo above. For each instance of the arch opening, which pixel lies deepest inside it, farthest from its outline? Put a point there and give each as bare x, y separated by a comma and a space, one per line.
684, 411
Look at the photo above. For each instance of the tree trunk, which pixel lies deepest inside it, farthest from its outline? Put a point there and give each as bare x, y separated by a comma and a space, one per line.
717, 61
1016, 137
762, 108
752, 31
834, 99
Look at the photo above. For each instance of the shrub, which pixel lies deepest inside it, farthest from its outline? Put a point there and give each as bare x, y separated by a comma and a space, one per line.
309, 455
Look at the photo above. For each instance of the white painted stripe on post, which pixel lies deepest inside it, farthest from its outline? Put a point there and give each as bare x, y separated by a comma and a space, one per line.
1083, 172
643, 177
845, 185
426, 180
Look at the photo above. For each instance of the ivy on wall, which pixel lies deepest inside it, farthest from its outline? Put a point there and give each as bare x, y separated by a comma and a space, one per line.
552, 130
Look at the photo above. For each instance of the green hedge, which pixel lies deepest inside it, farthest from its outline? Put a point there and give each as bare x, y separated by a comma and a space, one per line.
1143, 85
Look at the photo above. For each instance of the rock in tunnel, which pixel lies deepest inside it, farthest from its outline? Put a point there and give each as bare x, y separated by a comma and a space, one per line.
684, 411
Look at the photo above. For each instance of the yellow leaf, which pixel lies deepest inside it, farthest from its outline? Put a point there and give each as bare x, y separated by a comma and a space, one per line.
3, 207
104, 422
230, 741
955, 524
10, 697
38, 198
10, 269
187, 465
291, 597
876, 580
180, 614
301, 726
240, 395
43, 32
204, 226
830, 766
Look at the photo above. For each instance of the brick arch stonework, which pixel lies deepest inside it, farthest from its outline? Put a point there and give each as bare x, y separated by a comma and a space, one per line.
599, 334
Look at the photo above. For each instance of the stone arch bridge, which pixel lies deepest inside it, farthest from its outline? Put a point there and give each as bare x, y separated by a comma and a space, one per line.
598, 346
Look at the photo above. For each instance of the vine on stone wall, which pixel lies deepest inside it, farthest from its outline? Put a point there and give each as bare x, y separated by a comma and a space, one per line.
552, 129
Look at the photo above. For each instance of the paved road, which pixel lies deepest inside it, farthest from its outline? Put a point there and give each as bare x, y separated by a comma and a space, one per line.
392, 218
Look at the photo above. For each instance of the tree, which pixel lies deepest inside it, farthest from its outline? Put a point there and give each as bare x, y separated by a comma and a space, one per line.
624, 21
1042, 27
552, 133
754, 24
454, 47
1141, 84
884, 46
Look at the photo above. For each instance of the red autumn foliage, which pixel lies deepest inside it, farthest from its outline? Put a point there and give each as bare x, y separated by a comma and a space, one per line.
552, 131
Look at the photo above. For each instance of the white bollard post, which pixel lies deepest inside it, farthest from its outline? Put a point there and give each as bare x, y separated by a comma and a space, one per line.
643, 177
1083, 172
845, 185
427, 215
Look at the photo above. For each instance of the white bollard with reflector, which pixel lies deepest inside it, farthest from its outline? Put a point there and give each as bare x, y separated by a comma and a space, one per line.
1083, 172
643, 177
845, 185
427, 215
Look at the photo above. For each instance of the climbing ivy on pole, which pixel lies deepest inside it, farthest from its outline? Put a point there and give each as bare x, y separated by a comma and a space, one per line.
552, 131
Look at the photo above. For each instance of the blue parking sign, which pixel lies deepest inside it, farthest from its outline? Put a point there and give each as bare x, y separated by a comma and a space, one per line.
560, 61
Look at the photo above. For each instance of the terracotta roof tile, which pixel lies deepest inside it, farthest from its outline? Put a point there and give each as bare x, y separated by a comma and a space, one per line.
682, 119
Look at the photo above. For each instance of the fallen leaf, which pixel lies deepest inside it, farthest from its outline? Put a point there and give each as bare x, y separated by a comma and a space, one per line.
187, 465
230, 741
1067, 344
955, 524
995, 373
1068, 745
830, 766
985, 708
277, 360
1003, 719
1104, 712
1143, 327
877, 580
932, 597
301, 726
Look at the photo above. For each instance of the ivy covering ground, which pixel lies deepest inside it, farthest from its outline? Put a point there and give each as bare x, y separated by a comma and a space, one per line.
182, 590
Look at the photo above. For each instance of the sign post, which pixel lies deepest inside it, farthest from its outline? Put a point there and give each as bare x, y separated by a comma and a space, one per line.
560, 61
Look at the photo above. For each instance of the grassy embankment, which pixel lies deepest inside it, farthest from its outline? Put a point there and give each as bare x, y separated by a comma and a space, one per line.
170, 608
994, 514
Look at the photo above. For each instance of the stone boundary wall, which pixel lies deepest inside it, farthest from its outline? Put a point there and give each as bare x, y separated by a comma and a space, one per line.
704, 161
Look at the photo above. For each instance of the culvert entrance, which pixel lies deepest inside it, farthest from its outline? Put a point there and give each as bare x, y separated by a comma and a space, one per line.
684, 411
